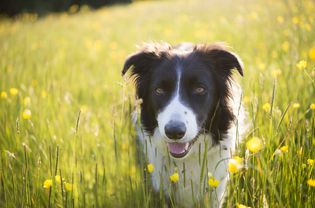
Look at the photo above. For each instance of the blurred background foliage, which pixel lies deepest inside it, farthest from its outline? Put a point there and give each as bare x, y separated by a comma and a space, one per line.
14, 7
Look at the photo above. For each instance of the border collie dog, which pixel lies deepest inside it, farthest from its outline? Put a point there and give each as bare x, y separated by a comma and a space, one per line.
191, 116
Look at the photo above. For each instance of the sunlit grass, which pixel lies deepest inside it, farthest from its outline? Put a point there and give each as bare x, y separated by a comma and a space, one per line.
65, 109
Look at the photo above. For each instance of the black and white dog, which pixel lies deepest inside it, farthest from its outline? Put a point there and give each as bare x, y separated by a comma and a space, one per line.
191, 115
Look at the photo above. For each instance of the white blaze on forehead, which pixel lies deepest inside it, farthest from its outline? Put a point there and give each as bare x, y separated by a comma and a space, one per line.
177, 111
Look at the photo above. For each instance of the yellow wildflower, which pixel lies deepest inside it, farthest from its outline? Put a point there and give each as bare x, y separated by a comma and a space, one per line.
14, 91
295, 20
284, 149
150, 168
296, 105
174, 178
4, 95
235, 164
84, 108
311, 53
44, 94
312, 106
27, 114
266, 107
285, 46
311, 182
275, 73
246, 99
254, 144
280, 19
27, 101
301, 64
213, 182
68, 186
300, 151
310, 162
58, 179
241, 206
47, 183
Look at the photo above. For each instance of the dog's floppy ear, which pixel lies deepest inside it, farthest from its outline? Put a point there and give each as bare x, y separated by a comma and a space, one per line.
139, 62
144, 60
222, 60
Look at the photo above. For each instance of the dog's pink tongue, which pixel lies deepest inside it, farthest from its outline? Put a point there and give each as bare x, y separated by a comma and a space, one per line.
177, 148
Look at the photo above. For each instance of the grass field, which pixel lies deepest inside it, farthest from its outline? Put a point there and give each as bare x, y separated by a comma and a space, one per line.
65, 109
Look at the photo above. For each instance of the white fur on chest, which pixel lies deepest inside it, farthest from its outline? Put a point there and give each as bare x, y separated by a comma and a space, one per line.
193, 181
193, 169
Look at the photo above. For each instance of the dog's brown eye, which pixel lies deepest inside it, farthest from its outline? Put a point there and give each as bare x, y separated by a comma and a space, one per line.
159, 91
199, 90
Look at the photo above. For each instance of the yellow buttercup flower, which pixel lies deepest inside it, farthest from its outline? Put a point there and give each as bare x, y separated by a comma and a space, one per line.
295, 20
266, 107
301, 64
150, 168
13, 91
311, 182
174, 178
68, 186
285, 46
44, 94
235, 164
4, 95
275, 73
296, 105
58, 179
310, 162
254, 144
47, 183
27, 101
284, 148
27, 114
241, 206
312, 53
213, 182
280, 19
312, 106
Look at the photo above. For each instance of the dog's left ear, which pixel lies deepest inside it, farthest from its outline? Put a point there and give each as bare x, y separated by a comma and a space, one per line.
220, 58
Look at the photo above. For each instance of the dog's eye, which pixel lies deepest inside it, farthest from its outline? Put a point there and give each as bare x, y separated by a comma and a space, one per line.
199, 90
159, 91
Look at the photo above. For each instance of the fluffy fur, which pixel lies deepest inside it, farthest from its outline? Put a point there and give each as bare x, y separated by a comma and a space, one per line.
191, 115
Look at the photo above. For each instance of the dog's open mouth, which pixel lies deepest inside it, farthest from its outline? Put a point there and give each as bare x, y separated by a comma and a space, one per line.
179, 150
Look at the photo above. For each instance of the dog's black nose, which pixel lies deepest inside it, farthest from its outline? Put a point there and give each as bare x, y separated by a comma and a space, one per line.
175, 130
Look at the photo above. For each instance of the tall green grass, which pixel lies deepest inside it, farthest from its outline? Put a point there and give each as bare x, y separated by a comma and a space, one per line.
69, 67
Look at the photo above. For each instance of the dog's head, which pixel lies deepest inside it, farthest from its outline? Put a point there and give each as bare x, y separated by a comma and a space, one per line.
185, 91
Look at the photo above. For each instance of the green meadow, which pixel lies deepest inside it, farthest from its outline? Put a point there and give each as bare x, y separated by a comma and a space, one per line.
66, 138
